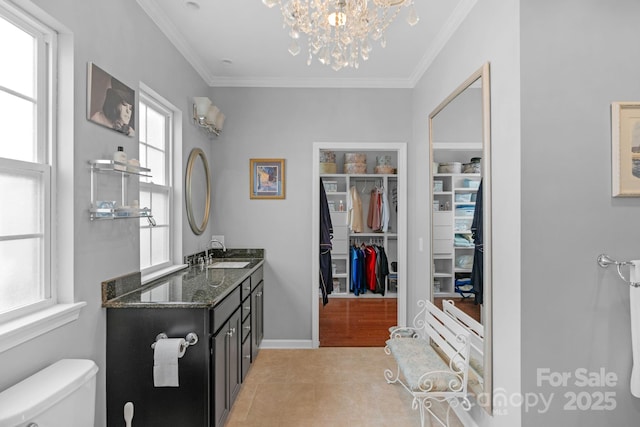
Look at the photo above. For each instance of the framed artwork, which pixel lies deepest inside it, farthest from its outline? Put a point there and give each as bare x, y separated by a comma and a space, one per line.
266, 178
110, 103
625, 149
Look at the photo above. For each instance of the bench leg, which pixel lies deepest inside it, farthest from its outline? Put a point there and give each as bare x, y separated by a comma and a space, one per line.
391, 377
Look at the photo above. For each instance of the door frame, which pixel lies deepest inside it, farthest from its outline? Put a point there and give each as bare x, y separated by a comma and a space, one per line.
401, 149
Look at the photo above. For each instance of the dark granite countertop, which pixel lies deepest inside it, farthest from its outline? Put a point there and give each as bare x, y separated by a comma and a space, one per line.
191, 287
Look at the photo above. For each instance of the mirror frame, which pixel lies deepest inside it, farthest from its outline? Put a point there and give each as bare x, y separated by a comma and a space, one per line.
197, 228
484, 396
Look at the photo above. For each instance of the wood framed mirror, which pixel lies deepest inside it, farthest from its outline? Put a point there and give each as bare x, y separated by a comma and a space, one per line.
460, 198
198, 191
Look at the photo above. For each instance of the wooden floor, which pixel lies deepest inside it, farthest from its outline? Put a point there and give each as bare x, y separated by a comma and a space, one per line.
357, 322
365, 322
465, 304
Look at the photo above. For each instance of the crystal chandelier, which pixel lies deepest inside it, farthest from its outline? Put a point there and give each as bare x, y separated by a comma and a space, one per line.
340, 31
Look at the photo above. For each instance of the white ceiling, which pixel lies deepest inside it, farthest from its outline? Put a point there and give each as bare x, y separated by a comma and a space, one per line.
252, 37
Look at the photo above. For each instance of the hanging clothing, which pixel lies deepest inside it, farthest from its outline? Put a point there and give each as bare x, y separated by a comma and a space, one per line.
384, 217
326, 234
357, 283
375, 210
370, 267
477, 274
382, 270
354, 211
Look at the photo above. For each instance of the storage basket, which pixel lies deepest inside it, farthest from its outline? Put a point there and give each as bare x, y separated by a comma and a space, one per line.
450, 167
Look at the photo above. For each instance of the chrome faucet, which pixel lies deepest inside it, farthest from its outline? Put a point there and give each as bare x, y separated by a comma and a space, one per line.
212, 241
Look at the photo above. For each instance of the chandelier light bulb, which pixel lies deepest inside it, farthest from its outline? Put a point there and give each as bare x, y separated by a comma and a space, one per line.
337, 19
339, 29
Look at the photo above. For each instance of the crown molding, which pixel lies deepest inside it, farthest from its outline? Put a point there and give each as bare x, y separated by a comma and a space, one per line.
345, 83
175, 36
448, 29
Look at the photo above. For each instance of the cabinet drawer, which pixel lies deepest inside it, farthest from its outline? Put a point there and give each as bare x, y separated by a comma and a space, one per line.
340, 232
442, 218
340, 246
246, 328
442, 246
225, 309
246, 308
256, 277
338, 218
245, 289
442, 232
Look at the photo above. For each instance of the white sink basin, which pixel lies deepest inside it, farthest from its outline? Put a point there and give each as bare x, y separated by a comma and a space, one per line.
229, 264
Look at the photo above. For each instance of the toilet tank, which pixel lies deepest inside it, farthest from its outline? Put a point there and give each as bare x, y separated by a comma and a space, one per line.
62, 394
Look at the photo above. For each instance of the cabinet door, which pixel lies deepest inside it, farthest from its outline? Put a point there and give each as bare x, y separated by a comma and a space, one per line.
257, 319
234, 357
221, 402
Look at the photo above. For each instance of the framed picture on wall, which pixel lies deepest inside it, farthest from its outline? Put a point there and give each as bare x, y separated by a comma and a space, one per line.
625, 149
266, 179
110, 103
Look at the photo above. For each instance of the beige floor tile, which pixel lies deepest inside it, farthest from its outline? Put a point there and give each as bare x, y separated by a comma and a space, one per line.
328, 387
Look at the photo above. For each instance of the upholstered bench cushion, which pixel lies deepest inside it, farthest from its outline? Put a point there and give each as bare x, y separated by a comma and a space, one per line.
415, 358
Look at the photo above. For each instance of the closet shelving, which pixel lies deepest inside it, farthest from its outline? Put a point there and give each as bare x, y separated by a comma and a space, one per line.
344, 238
453, 205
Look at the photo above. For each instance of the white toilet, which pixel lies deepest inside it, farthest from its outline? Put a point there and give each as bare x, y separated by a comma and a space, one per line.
62, 394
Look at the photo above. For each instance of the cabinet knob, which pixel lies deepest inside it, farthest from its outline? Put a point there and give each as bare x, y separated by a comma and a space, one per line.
248, 356
247, 308
248, 328
259, 294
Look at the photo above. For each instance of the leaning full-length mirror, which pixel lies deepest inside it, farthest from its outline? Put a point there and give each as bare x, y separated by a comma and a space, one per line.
460, 175
198, 191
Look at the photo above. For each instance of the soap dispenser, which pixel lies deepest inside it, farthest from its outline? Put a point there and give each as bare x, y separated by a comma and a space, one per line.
121, 157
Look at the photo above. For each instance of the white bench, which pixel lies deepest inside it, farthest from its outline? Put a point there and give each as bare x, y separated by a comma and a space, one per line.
476, 340
421, 369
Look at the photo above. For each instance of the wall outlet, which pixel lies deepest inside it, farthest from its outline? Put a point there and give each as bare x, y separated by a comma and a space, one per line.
218, 238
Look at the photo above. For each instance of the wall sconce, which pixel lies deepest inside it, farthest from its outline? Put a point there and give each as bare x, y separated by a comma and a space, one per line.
207, 115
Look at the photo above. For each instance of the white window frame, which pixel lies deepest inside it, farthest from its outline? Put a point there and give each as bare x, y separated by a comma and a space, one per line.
54, 89
173, 170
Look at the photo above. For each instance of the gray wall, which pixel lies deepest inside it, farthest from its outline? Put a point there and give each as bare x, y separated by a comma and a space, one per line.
118, 37
489, 33
284, 123
577, 57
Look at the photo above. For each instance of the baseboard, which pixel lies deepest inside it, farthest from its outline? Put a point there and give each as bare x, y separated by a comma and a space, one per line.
286, 344
464, 416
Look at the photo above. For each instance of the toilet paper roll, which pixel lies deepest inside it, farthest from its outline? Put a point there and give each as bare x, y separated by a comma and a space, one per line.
166, 353
634, 299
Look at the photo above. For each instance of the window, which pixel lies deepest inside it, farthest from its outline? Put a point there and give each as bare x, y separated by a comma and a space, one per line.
26, 165
156, 192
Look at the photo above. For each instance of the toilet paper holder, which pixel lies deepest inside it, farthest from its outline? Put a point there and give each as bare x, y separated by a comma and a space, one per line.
190, 339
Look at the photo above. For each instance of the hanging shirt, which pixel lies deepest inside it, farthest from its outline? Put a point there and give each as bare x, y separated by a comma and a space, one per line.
370, 267
354, 211
384, 218
373, 217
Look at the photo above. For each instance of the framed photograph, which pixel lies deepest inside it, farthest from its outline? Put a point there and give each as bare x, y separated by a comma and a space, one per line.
110, 103
266, 178
625, 149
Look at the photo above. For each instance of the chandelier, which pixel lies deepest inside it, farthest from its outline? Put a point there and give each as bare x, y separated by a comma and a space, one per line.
340, 32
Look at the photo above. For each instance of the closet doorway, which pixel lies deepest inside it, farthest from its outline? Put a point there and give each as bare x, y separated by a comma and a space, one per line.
359, 312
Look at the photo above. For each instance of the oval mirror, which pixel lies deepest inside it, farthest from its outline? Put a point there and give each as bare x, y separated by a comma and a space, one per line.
198, 191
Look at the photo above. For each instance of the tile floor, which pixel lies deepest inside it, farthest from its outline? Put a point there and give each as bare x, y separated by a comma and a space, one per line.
328, 387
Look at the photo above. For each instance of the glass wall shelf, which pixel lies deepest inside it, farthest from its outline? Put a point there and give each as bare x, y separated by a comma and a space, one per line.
112, 209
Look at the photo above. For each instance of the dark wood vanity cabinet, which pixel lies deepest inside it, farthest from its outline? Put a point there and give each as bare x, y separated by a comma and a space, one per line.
226, 368
210, 372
